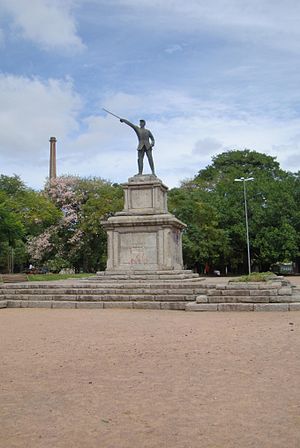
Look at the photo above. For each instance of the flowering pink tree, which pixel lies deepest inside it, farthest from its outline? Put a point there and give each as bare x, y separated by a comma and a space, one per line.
77, 240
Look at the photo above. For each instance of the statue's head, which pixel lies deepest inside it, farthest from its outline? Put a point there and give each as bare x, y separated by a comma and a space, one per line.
142, 123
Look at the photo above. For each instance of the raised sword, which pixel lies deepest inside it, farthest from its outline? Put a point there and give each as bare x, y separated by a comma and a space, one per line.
111, 113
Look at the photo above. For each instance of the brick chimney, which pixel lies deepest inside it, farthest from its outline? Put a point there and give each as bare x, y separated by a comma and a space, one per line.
52, 167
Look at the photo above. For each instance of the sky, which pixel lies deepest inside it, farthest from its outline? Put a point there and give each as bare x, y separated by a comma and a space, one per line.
207, 77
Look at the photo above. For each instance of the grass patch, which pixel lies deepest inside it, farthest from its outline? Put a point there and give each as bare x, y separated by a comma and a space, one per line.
256, 277
51, 277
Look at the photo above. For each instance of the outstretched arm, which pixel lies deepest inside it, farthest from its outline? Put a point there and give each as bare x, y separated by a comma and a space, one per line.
133, 126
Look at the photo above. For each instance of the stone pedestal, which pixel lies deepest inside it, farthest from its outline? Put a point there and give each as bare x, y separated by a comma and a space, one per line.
144, 236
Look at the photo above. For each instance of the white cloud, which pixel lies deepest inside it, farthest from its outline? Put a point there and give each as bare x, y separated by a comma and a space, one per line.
48, 23
161, 102
173, 48
207, 145
268, 22
185, 140
31, 111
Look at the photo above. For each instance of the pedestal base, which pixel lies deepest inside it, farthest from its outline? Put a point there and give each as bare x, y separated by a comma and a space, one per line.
144, 236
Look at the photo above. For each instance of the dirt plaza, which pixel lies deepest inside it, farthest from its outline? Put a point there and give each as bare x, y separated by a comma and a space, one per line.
146, 378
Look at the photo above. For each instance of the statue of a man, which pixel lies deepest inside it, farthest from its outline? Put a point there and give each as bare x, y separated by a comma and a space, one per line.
145, 145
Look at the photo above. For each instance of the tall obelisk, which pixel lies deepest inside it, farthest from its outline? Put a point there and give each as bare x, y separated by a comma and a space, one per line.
52, 167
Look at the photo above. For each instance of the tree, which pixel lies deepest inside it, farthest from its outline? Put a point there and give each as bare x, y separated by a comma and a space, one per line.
23, 213
11, 229
204, 242
273, 208
11, 185
77, 240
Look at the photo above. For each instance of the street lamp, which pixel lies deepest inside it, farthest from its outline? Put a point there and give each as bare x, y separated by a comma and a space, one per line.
242, 179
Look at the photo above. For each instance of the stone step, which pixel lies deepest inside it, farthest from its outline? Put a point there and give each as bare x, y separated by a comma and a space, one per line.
113, 282
244, 292
3, 303
252, 299
137, 272
100, 291
101, 298
170, 278
193, 306
155, 305
249, 285
96, 305
148, 276
101, 287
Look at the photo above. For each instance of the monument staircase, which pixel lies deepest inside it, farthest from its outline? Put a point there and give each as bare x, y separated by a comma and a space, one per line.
140, 290
165, 290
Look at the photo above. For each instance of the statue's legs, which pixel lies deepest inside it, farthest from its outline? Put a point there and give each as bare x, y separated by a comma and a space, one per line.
141, 153
150, 160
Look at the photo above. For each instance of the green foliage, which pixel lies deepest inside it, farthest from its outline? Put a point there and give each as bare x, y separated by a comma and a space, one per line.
273, 200
55, 277
11, 228
18, 252
23, 213
56, 264
203, 240
101, 201
36, 211
11, 185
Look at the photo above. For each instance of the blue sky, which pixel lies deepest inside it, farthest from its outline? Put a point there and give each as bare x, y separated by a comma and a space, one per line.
207, 77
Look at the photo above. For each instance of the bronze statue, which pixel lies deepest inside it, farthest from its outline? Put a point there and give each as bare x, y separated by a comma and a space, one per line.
145, 144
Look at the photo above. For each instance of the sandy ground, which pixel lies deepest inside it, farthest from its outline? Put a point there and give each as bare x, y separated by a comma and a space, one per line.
149, 379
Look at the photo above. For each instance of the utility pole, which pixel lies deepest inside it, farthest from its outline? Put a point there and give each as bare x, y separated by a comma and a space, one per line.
242, 179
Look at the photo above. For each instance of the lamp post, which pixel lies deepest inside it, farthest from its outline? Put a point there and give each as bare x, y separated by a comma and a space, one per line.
244, 180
